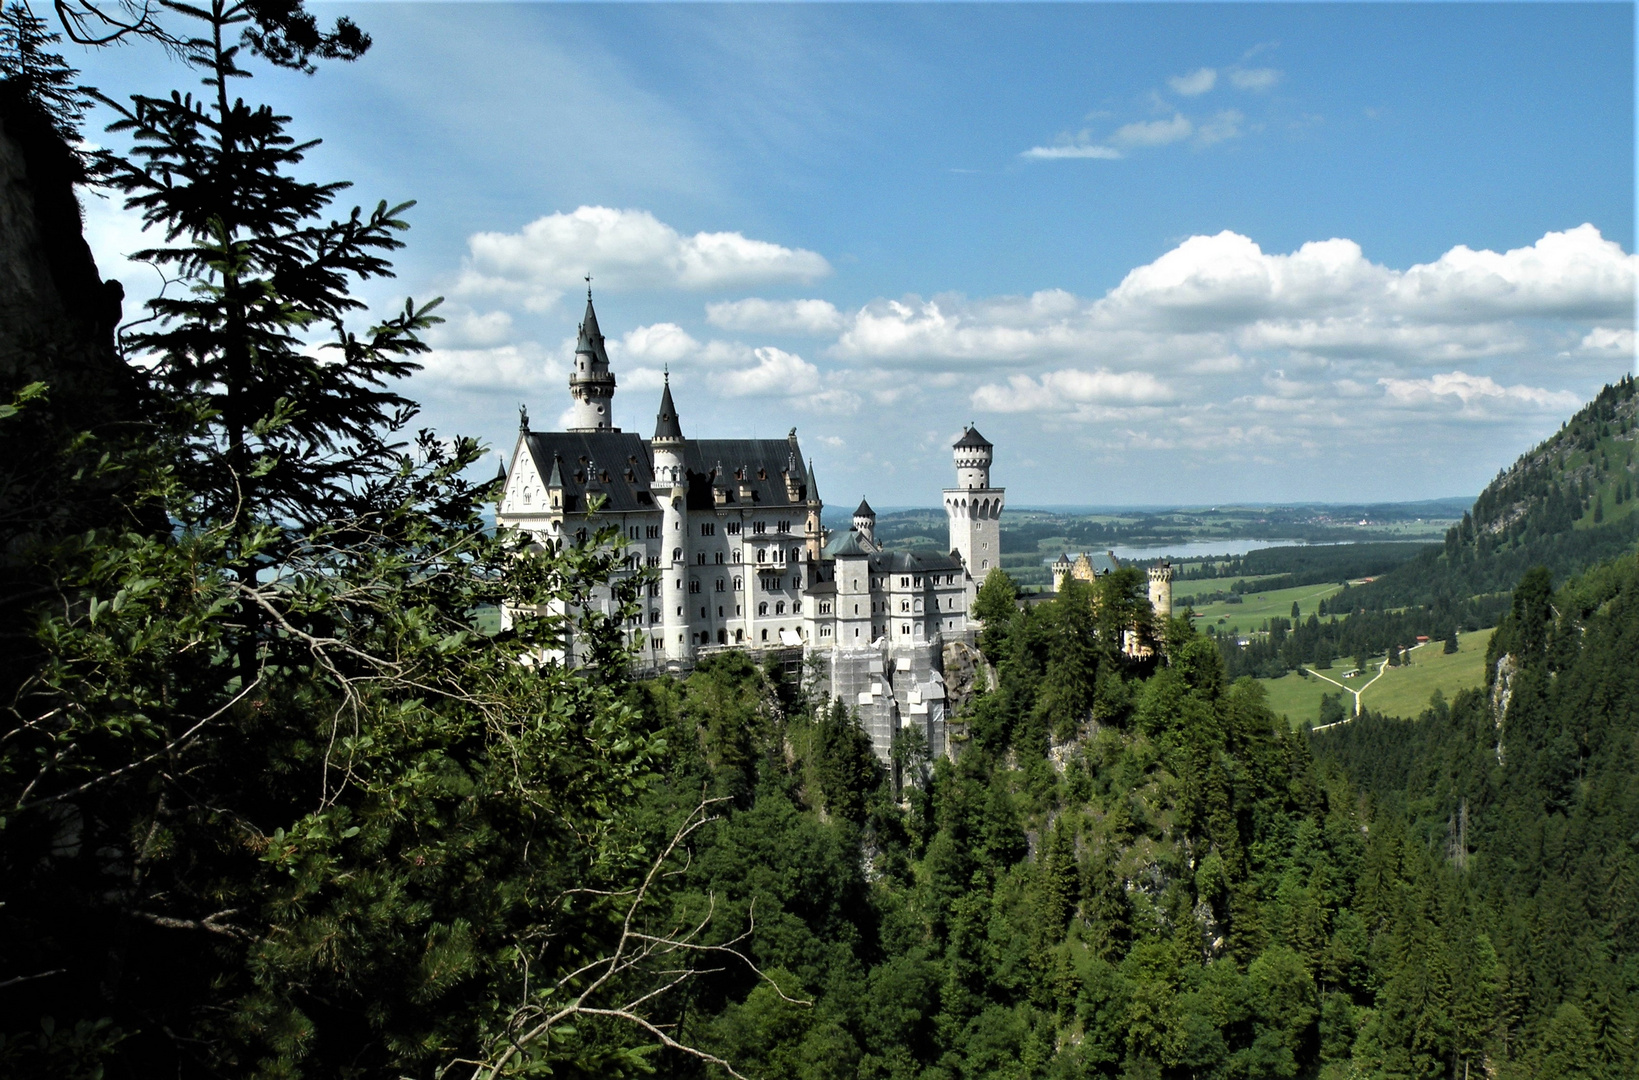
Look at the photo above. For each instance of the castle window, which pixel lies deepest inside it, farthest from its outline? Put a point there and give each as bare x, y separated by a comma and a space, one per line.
718, 557
654, 617
651, 532
739, 636
759, 527
762, 556
919, 606
783, 526
904, 583
722, 637
762, 609
905, 629
733, 528
825, 607
825, 631
765, 635
700, 559
694, 586
796, 554
796, 607
779, 608
708, 528
654, 560
856, 584
984, 564
719, 584
904, 605
677, 555
702, 613
739, 583
917, 582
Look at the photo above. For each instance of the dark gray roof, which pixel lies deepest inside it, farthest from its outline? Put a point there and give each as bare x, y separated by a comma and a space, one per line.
759, 464
847, 544
591, 339
666, 425
865, 510
913, 562
971, 439
614, 464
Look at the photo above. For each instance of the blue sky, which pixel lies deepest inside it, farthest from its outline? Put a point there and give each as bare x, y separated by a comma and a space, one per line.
1158, 253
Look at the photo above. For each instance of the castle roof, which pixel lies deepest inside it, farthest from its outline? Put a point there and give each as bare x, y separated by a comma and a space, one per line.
666, 425
971, 440
914, 562
619, 466
847, 545
865, 510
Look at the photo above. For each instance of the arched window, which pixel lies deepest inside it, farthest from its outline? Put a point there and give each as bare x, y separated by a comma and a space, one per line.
779, 608
762, 556
677, 554
739, 583
762, 609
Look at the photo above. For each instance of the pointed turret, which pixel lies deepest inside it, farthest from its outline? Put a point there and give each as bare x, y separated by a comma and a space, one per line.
865, 523
591, 383
666, 427
813, 482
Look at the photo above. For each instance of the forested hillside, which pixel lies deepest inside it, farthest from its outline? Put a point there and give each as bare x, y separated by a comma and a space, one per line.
272, 805
1566, 505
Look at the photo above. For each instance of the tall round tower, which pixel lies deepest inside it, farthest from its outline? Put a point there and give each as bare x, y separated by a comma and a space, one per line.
975, 510
671, 489
1161, 589
591, 383
973, 455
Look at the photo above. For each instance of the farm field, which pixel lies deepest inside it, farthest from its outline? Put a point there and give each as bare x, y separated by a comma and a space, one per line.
1254, 608
1403, 691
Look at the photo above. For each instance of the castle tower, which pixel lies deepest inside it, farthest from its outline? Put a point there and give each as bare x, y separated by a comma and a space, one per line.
975, 509
1161, 590
671, 488
591, 383
813, 531
865, 523
1061, 570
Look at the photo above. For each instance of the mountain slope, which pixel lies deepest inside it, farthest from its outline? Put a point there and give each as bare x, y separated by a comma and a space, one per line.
1566, 504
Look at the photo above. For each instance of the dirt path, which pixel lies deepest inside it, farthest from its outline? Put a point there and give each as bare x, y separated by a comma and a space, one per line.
1381, 669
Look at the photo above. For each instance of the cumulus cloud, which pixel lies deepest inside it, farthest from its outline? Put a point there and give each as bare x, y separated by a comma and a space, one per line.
1218, 296
1474, 392
1253, 78
624, 249
1196, 82
1610, 341
472, 329
776, 316
525, 366
1064, 390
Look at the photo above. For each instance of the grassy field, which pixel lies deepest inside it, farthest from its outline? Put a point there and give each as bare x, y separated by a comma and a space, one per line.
1402, 691
1254, 608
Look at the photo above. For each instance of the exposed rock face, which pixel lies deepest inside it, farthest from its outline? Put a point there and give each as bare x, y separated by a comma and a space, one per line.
57, 315
961, 665
1502, 691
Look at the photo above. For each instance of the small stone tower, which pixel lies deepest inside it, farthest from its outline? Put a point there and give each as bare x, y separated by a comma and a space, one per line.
975, 509
591, 383
865, 523
1061, 570
1161, 590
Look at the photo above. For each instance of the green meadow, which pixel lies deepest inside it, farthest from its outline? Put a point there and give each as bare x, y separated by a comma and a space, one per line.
1402, 691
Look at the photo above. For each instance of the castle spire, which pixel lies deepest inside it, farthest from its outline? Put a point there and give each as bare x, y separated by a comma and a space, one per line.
591, 383
666, 426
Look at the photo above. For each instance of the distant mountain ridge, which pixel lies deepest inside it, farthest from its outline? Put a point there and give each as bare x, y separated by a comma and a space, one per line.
1567, 504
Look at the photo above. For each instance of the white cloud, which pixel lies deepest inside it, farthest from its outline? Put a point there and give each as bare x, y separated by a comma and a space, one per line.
1253, 78
471, 329
1222, 295
1196, 82
624, 249
1221, 127
776, 374
754, 315
1610, 341
657, 343
1072, 151
1062, 390
1154, 132
508, 367
1474, 392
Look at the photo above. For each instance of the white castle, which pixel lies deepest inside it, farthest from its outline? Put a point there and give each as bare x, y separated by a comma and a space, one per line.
733, 528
